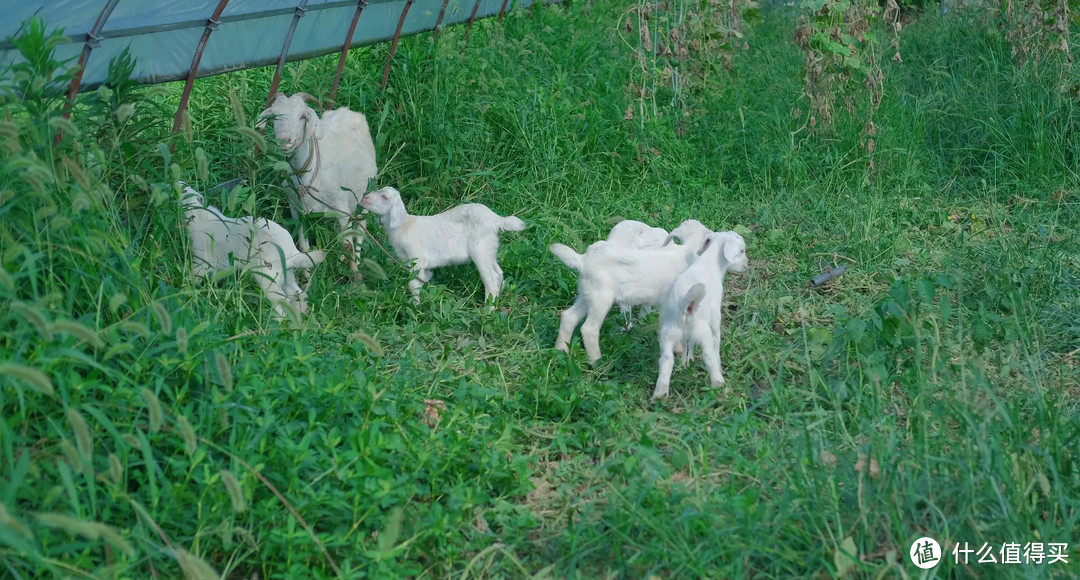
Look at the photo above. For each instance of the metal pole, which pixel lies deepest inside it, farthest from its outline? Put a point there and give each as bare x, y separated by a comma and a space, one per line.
211, 26
297, 14
468, 29
393, 45
92, 41
435, 33
345, 49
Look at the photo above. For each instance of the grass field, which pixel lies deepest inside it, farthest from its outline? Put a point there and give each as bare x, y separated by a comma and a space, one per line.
151, 425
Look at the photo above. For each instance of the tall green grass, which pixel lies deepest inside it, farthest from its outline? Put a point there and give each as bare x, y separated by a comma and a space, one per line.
156, 427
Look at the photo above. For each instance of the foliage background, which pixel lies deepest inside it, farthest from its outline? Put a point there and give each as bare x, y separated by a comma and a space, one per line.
153, 427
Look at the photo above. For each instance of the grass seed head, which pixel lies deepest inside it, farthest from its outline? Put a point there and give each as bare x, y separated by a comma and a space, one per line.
232, 487
186, 127
116, 470
163, 318
33, 317
153, 406
89, 530
12, 523
224, 371
182, 339
194, 567
36, 379
202, 165
187, 433
79, 331
82, 433
369, 341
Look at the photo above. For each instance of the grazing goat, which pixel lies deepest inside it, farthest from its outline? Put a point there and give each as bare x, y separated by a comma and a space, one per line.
634, 234
221, 243
609, 274
327, 154
692, 308
465, 233
690, 232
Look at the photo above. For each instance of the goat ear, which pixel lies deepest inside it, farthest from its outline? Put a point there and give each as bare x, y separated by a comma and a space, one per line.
313, 128
317, 257
668, 240
731, 251
705, 246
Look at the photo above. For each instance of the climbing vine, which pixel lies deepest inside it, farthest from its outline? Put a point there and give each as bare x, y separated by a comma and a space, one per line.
1037, 29
680, 49
842, 49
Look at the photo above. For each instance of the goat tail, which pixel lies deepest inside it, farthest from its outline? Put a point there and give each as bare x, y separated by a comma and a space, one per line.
568, 256
511, 224
692, 299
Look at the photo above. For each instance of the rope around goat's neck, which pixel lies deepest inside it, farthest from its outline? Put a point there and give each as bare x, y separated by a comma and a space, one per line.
314, 155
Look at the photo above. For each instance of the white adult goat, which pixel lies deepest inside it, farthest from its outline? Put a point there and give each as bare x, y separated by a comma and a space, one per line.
327, 154
611, 274
692, 308
221, 243
465, 233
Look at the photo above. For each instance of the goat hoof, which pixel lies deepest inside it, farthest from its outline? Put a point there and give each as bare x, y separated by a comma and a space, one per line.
718, 383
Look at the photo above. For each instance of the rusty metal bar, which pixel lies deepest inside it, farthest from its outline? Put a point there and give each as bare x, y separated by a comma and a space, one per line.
211, 26
503, 9
297, 15
468, 29
345, 48
92, 41
393, 45
435, 33
125, 32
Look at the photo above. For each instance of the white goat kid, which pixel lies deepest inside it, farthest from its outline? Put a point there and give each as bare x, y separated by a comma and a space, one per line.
690, 232
635, 234
220, 243
327, 154
611, 274
692, 308
465, 233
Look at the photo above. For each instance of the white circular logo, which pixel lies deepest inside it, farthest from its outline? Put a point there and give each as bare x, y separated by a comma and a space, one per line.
925, 553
